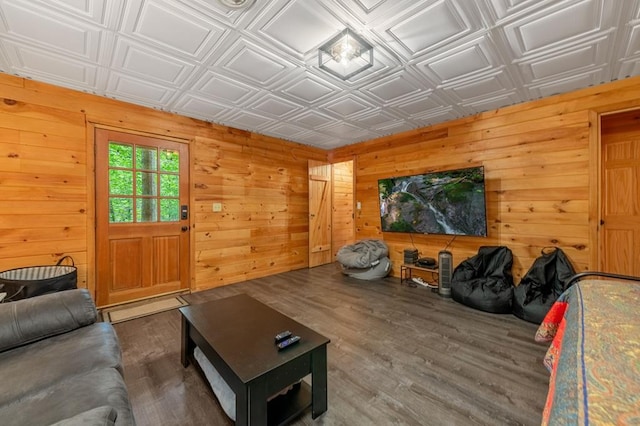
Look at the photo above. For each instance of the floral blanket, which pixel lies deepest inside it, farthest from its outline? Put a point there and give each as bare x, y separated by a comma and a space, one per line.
594, 356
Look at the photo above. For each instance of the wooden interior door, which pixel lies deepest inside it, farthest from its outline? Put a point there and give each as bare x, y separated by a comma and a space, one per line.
343, 228
319, 213
142, 217
620, 225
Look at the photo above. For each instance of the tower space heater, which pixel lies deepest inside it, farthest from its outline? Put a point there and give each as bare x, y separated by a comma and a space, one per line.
445, 272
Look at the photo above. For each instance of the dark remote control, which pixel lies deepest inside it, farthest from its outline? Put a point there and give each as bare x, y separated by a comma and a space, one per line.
290, 341
281, 336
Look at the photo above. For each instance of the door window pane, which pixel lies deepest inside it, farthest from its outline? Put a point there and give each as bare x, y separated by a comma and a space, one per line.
146, 158
169, 161
146, 210
146, 183
169, 210
120, 182
120, 210
120, 155
169, 185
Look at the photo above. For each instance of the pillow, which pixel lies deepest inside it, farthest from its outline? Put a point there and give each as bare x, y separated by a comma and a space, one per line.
29, 320
226, 396
99, 416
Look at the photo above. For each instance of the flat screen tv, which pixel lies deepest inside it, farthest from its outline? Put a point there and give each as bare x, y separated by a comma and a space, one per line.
450, 202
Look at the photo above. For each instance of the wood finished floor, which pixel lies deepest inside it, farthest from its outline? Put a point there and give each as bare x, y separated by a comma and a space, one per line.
398, 355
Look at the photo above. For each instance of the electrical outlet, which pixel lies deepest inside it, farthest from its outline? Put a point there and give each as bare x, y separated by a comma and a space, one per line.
217, 207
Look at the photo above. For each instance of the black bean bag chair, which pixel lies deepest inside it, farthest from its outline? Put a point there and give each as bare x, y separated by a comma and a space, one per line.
485, 281
542, 285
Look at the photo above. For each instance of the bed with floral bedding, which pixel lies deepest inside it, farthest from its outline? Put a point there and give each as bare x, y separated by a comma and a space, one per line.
594, 354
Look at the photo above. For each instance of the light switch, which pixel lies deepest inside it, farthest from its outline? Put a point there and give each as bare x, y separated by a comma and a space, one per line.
217, 207
359, 205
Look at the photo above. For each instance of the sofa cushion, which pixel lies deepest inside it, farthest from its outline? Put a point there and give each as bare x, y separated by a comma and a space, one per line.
47, 362
37, 318
99, 416
71, 397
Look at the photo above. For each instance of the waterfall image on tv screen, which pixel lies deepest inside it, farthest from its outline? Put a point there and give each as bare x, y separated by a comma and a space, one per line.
449, 202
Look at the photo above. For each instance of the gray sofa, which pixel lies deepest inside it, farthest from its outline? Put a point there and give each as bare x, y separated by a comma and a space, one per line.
58, 365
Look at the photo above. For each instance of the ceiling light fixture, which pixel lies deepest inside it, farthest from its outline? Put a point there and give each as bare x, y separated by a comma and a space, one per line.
345, 55
236, 4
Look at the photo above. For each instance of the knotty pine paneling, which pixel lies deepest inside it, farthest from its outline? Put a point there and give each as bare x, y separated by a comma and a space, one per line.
47, 196
262, 228
43, 175
539, 163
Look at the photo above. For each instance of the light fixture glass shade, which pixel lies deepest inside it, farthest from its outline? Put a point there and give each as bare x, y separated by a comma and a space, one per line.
236, 4
345, 55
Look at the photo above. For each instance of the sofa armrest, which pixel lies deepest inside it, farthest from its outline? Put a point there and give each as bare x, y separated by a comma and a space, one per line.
27, 320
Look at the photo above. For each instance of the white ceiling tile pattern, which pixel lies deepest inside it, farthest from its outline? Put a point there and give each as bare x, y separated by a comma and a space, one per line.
194, 106
429, 27
257, 69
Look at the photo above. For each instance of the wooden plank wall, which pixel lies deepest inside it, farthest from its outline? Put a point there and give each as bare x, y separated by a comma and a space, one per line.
43, 181
47, 187
263, 228
541, 164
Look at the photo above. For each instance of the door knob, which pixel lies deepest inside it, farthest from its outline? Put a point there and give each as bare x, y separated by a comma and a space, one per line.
185, 228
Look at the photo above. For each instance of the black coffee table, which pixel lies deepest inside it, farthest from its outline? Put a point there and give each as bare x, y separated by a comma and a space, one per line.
236, 334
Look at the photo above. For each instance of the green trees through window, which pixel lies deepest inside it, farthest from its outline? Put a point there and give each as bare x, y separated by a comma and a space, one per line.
144, 184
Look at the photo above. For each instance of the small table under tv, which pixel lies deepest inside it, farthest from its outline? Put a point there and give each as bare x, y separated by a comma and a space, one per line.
406, 274
236, 334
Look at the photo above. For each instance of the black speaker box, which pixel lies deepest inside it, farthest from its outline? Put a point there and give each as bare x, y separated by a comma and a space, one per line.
410, 256
427, 262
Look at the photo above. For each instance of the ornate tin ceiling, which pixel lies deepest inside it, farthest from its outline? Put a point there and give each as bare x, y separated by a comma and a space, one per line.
257, 69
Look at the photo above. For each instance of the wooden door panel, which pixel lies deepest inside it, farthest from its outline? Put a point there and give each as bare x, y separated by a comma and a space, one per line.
142, 240
619, 199
126, 264
343, 229
168, 249
621, 251
319, 220
319, 213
